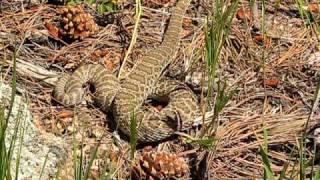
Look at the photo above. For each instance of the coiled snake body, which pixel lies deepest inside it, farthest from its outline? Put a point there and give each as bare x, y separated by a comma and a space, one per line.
126, 98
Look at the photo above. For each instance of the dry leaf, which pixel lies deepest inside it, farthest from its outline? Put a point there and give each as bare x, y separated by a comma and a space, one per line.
262, 41
244, 14
53, 30
96, 55
65, 114
113, 157
272, 82
109, 64
313, 7
186, 22
186, 33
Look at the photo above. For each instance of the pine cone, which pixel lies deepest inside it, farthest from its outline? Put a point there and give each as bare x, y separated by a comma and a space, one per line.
160, 165
77, 24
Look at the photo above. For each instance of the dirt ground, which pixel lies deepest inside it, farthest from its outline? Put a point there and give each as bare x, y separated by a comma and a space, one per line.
273, 78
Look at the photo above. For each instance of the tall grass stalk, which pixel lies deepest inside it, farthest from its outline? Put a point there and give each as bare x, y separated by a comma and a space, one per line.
308, 17
111, 168
93, 156
7, 153
82, 172
301, 159
215, 37
78, 163
303, 13
133, 134
3, 150
302, 162
44, 165
133, 39
22, 132
268, 173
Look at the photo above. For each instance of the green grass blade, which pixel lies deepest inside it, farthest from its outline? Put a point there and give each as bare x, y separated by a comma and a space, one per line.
44, 165
317, 175
302, 160
22, 132
268, 172
133, 134
92, 158
285, 167
9, 153
80, 162
313, 158
74, 147
111, 167
206, 143
13, 142
215, 37
3, 150
221, 101
13, 85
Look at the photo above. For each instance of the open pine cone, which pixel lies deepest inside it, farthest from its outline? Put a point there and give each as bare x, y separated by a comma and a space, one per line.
160, 165
77, 24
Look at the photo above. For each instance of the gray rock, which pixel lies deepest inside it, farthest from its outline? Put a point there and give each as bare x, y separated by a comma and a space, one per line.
36, 147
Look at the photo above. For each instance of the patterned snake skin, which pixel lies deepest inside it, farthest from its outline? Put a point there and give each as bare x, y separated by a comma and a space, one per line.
127, 97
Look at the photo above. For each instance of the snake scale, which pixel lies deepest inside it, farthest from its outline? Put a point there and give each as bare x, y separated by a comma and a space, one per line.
146, 79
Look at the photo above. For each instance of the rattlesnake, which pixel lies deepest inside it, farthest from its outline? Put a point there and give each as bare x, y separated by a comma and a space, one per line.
146, 79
